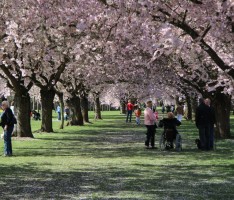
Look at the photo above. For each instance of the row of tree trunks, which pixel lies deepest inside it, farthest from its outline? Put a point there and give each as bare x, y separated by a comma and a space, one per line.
221, 102
22, 111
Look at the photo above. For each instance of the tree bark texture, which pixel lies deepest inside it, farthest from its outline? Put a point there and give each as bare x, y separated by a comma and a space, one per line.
189, 108
222, 106
77, 117
98, 114
85, 108
194, 101
22, 113
47, 98
123, 106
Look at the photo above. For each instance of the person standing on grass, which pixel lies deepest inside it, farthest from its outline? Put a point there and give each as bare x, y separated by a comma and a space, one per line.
212, 122
7, 123
130, 108
67, 113
150, 121
58, 110
202, 119
179, 112
138, 115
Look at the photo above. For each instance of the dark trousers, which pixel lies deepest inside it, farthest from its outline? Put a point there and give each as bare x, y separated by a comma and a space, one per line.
7, 141
204, 134
150, 135
129, 115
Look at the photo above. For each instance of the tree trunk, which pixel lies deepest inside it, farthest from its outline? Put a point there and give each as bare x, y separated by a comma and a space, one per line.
47, 98
177, 100
97, 108
22, 113
60, 95
222, 106
74, 104
189, 108
194, 103
85, 108
123, 106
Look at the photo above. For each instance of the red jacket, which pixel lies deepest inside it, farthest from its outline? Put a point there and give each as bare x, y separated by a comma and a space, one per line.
130, 106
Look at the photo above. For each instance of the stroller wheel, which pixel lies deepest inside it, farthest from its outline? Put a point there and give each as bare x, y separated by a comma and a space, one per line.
162, 143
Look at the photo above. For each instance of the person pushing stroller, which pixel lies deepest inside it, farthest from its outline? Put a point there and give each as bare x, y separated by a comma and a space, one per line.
170, 132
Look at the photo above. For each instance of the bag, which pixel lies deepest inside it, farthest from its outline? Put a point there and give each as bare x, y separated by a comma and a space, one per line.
14, 120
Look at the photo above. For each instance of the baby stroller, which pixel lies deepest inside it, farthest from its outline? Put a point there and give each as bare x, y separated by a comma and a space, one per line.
36, 115
170, 137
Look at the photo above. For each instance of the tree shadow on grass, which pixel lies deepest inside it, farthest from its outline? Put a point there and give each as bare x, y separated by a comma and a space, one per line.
135, 181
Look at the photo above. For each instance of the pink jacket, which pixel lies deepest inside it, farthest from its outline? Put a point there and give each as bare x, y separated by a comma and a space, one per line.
150, 118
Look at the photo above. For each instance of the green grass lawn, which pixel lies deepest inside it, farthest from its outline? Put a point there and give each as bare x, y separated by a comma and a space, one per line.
107, 160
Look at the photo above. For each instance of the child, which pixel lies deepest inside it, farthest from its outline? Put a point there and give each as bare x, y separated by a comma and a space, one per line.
138, 115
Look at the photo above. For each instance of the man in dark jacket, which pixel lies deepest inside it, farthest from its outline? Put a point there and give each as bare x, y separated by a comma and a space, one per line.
203, 120
7, 123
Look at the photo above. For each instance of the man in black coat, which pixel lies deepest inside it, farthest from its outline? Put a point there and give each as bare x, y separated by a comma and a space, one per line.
203, 121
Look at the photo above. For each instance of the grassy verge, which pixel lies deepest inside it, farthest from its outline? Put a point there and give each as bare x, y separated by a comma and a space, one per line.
107, 160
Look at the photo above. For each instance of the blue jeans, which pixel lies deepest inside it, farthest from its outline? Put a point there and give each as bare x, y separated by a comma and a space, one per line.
204, 134
138, 121
59, 116
129, 115
7, 141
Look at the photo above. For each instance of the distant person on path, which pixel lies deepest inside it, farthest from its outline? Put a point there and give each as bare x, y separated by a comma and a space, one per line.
150, 121
168, 108
212, 122
138, 115
179, 112
7, 123
172, 108
67, 113
130, 108
58, 110
203, 121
